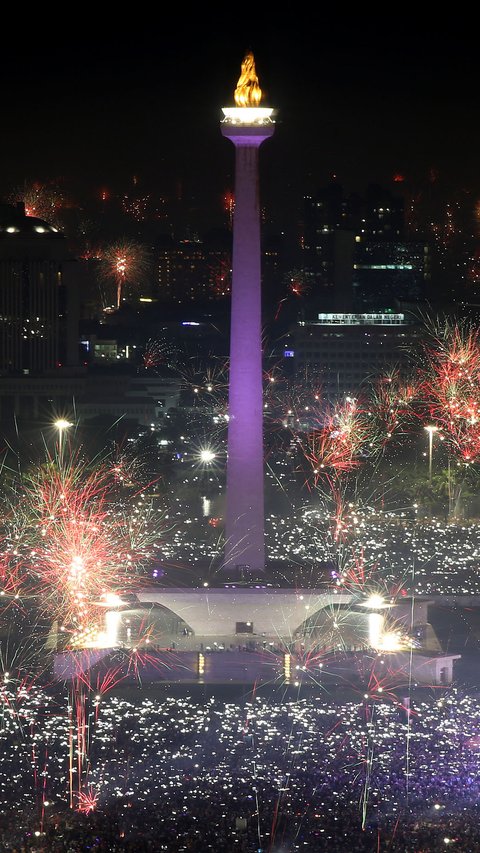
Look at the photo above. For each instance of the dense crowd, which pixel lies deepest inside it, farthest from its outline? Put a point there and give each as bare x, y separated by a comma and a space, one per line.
429, 556
195, 773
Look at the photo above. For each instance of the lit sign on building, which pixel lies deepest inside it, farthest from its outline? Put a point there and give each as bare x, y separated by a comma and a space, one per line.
383, 267
371, 319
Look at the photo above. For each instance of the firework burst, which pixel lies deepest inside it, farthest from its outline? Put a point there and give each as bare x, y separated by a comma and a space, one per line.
41, 200
124, 263
220, 277
340, 443
75, 541
208, 382
158, 353
392, 405
450, 380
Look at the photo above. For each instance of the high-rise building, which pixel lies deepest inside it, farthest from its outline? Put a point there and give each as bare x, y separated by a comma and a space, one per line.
247, 125
355, 253
194, 270
181, 270
341, 351
38, 295
389, 273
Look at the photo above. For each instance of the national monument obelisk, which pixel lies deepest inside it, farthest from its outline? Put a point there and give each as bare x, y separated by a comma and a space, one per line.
247, 125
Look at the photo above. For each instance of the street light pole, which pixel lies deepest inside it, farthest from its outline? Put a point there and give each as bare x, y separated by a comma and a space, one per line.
430, 429
61, 425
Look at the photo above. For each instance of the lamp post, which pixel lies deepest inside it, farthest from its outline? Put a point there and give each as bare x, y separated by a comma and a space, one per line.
430, 429
61, 425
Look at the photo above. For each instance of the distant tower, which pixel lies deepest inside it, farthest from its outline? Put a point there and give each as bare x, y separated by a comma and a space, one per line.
247, 125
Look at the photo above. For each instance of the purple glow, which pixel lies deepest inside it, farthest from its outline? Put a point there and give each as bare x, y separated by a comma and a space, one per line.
244, 528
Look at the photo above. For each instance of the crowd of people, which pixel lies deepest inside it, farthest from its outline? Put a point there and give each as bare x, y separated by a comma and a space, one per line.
429, 556
148, 771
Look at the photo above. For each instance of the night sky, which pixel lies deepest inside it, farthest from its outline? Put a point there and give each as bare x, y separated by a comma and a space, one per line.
359, 97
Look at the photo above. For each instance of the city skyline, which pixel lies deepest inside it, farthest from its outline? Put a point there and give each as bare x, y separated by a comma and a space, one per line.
240, 572
361, 102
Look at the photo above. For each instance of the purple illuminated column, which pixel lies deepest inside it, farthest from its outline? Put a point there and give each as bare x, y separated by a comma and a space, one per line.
244, 526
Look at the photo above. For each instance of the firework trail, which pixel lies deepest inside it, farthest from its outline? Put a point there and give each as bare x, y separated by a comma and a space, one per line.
220, 277
130, 469
347, 438
75, 537
451, 387
41, 200
72, 539
391, 404
207, 381
159, 352
297, 286
124, 263
40, 535
344, 438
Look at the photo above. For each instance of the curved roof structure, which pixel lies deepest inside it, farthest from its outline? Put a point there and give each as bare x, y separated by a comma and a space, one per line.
269, 611
29, 237
14, 221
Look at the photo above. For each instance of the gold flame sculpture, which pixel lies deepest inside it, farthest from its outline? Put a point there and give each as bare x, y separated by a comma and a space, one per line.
248, 93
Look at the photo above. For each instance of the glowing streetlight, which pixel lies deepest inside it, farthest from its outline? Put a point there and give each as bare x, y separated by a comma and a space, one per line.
61, 425
206, 455
375, 601
430, 429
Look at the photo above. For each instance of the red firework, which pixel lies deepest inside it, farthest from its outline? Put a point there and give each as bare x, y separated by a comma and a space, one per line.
220, 274
392, 405
451, 387
40, 200
87, 801
338, 445
125, 262
229, 206
297, 283
74, 544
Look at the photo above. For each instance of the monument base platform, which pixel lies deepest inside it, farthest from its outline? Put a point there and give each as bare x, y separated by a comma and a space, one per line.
171, 666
